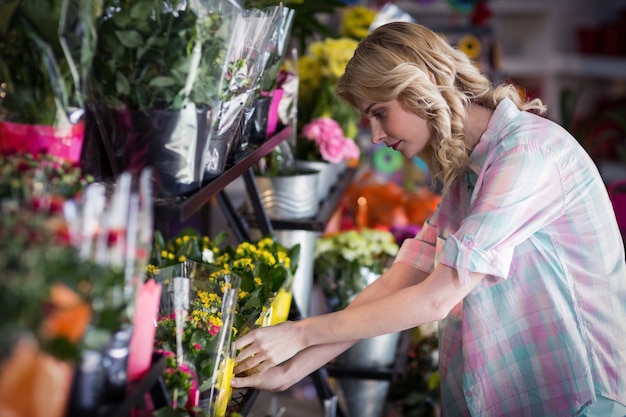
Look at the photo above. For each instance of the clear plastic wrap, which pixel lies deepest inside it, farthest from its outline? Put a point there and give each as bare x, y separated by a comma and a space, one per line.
196, 324
247, 58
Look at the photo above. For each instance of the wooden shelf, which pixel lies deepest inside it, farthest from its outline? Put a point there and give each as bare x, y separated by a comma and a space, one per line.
183, 208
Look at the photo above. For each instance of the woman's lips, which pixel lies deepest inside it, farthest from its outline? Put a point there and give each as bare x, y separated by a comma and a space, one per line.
395, 146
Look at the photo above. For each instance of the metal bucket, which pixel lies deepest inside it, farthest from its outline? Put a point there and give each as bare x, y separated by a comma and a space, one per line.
366, 397
290, 196
327, 177
303, 280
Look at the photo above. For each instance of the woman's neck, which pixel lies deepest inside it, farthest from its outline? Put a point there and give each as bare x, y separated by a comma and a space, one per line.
477, 120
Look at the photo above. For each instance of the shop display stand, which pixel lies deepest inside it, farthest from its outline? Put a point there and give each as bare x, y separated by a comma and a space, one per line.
176, 211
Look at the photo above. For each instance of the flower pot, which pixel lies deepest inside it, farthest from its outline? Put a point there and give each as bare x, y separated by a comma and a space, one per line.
367, 398
64, 142
327, 177
290, 196
173, 143
255, 122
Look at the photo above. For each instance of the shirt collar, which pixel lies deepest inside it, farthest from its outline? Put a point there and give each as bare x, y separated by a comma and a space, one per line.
501, 123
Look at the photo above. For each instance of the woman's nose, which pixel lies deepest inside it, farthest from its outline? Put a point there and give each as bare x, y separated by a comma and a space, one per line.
377, 133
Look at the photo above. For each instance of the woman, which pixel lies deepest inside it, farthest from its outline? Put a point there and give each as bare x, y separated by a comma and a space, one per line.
522, 263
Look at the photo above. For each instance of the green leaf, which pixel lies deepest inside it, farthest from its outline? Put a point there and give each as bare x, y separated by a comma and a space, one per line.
162, 81
129, 38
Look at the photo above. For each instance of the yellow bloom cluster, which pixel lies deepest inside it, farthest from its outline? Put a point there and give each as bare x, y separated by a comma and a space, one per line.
333, 55
356, 21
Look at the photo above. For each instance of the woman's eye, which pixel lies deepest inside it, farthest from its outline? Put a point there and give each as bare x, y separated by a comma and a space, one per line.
379, 114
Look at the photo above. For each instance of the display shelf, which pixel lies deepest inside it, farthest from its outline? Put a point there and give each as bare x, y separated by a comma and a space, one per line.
326, 209
589, 66
503, 7
183, 208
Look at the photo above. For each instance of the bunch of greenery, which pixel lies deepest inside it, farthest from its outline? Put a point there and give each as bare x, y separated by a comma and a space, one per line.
159, 54
46, 52
346, 262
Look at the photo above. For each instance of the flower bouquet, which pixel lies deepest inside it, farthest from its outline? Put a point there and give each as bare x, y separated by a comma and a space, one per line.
247, 57
319, 70
155, 88
46, 51
348, 261
195, 327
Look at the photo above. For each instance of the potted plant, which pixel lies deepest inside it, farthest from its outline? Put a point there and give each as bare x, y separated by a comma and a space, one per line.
46, 51
347, 261
155, 85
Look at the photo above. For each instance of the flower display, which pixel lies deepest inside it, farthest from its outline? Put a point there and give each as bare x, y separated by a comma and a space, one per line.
346, 262
261, 272
265, 267
43, 180
319, 70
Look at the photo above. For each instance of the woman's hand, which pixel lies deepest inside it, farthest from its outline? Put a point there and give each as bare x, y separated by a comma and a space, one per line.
267, 347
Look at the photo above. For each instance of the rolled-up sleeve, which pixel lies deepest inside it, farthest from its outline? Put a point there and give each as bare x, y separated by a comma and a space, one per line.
420, 252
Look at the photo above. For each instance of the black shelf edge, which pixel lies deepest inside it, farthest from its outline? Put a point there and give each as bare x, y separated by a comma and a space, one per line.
185, 207
326, 209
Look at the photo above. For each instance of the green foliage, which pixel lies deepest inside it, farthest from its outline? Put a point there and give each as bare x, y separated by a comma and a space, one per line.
155, 54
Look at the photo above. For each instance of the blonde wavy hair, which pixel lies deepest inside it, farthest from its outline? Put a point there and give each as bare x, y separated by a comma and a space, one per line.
396, 60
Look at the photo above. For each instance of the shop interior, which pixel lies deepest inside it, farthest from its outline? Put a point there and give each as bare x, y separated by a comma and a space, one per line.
137, 202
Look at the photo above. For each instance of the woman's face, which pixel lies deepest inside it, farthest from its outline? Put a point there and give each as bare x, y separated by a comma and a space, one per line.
396, 127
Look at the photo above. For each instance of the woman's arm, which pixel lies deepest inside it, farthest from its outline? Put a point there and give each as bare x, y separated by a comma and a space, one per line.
401, 300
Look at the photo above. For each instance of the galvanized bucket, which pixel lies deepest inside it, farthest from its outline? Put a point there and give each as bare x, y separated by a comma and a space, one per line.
290, 196
367, 397
327, 177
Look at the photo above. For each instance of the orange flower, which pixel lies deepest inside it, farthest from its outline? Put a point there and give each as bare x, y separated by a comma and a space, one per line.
69, 315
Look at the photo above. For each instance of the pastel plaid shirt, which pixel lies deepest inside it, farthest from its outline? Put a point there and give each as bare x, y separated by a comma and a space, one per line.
545, 331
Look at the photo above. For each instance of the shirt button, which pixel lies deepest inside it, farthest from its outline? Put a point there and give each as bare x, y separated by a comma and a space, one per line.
469, 243
468, 393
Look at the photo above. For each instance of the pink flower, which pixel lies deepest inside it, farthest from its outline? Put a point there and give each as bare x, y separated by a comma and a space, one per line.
328, 135
351, 150
214, 330
332, 150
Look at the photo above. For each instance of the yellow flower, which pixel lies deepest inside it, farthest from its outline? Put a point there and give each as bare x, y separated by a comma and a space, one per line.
338, 53
356, 21
182, 258
258, 281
